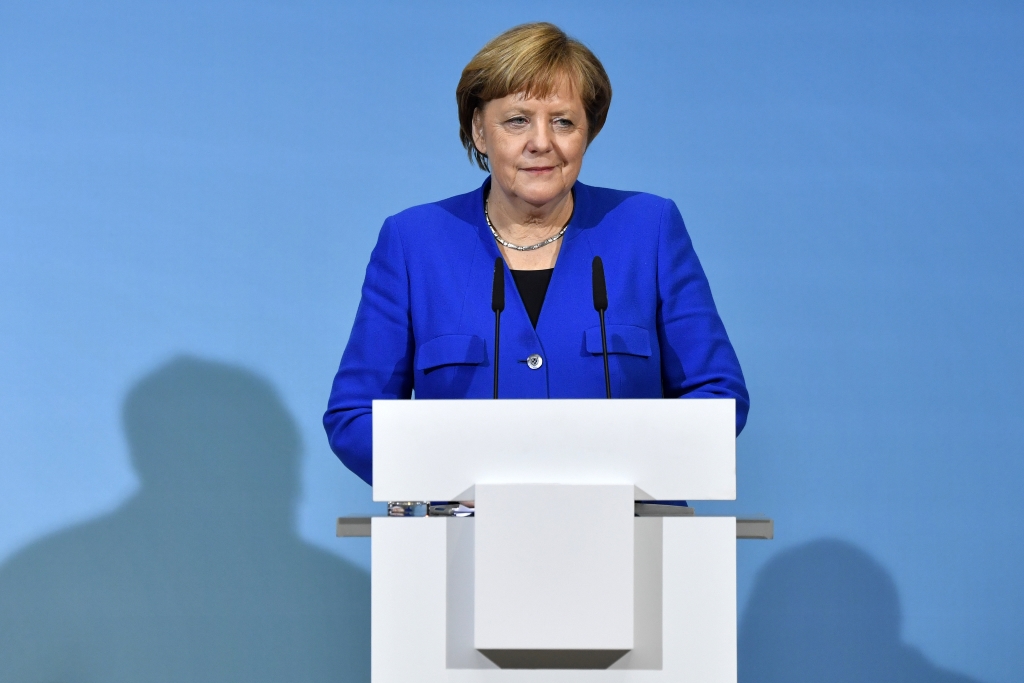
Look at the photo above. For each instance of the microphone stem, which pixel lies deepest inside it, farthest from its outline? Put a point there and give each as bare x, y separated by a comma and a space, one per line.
604, 352
497, 338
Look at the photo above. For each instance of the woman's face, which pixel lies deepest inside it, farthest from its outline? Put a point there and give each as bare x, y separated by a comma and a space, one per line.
535, 146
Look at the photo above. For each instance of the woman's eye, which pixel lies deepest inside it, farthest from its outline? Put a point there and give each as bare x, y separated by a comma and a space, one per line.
563, 124
517, 121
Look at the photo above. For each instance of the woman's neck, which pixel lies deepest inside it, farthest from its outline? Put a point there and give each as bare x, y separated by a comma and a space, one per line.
526, 225
523, 223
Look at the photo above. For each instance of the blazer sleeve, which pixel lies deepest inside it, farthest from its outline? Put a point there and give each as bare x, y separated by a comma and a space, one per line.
377, 363
698, 360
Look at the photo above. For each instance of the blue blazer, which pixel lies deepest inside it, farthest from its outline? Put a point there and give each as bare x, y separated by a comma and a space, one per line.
425, 323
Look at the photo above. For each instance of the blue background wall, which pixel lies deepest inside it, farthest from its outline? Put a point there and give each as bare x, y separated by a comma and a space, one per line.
189, 195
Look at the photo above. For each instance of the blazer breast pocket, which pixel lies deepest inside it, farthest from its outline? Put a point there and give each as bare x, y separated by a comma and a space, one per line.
451, 349
626, 339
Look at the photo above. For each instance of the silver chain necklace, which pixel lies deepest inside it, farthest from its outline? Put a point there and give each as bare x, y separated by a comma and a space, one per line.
509, 245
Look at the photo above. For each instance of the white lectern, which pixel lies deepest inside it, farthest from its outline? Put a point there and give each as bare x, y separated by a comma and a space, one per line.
555, 578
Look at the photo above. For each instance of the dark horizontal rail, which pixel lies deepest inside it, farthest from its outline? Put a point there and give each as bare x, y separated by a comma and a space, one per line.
746, 527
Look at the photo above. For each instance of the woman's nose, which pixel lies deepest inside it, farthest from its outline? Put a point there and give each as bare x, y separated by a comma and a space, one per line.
540, 141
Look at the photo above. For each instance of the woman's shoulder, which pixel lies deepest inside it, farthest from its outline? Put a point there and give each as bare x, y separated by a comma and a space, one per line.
608, 205
435, 231
461, 208
608, 194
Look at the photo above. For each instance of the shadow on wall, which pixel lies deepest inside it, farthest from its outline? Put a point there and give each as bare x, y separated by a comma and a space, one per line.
199, 577
827, 612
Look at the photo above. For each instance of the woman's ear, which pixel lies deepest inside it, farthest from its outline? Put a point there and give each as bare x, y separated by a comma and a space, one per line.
478, 134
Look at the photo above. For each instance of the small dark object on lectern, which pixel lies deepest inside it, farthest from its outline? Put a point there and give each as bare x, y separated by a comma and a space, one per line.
655, 509
455, 509
405, 508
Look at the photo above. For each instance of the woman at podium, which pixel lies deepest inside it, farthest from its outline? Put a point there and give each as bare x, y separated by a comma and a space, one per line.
530, 103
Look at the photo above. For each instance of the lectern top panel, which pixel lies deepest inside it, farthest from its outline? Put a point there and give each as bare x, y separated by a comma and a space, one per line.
668, 448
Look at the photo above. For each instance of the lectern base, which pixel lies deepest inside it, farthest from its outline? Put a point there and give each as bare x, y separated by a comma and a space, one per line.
554, 659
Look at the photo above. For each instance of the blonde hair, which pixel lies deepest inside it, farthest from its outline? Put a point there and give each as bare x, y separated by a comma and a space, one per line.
531, 59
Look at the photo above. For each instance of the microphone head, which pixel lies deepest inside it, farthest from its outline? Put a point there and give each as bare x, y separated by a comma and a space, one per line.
600, 291
498, 290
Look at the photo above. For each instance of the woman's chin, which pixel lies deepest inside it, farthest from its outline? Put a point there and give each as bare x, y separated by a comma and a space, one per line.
542, 193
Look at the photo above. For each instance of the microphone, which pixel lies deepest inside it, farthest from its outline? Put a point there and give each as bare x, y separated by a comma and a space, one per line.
497, 305
601, 305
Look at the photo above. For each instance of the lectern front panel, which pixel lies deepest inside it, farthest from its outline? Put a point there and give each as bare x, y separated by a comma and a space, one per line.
684, 605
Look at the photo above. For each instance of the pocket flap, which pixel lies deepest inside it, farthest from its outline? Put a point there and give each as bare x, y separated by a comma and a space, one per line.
628, 339
451, 349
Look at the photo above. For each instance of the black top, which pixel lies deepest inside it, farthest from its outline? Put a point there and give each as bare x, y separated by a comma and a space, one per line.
532, 286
